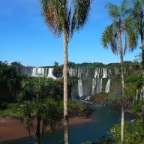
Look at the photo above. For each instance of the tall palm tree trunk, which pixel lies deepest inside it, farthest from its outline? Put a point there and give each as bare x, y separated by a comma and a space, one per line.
65, 98
122, 85
142, 42
143, 74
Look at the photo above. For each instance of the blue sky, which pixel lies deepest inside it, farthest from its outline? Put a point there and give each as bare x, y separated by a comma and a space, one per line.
24, 36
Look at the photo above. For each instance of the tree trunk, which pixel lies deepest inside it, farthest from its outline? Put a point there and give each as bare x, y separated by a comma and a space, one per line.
142, 42
38, 130
65, 97
122, 85
143, 74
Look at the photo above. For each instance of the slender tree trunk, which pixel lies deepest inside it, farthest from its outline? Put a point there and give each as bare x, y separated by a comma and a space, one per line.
122, 85
38, 130
143, 74
65, 98
142, 42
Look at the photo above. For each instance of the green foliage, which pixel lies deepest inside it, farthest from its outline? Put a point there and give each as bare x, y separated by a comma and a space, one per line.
132, 82
132, 78
15, 64
40, 88
104, 140
87, 142
9, 83
9, 111
3, 105
133, 132
75, 109
137, 106
114, 96
57, 70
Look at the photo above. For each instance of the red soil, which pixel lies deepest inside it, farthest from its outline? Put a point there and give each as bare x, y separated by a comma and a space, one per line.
12, 129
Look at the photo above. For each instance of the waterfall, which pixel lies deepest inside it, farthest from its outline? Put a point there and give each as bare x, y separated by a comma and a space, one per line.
109, 73
107, 89
80, 88
33, 72
79, 73
87, 98
45, 72
36, 72
93, 86
117, 71
104, 73
97, 73
140, 97
99, 85
40, 72
50, 73
70, 70
136, 94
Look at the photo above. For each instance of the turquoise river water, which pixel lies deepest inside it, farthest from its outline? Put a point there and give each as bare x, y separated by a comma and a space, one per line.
103, 120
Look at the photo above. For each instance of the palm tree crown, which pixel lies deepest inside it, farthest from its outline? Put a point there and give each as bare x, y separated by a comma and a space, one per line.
63, 14
121, 25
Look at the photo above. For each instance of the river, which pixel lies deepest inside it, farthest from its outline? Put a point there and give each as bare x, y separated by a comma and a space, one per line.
103, 119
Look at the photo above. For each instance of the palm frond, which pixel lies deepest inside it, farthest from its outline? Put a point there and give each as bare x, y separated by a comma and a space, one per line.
63, 14
109, 38
54, 12
113, 10
131, 33
126, 7
80, 15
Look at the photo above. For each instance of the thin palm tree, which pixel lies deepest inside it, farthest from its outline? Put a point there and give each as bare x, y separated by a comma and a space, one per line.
138, 20
64, 17
120, 35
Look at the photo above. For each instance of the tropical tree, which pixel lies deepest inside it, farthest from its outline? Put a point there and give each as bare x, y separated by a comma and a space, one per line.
120, 35
33, 91
138, 20
37, 102
64, 17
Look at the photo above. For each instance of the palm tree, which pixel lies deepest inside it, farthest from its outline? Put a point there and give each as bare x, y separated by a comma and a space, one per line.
138, 20
65, 16
120, 36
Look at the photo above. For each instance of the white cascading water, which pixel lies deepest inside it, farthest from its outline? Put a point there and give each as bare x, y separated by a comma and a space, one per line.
97, 73
93, 86
45, 72
104, 73
107, 89
50, 73
136, 94
87, 98
40, 72
99, 85
80, 88
140, 96
34, 72
70, 70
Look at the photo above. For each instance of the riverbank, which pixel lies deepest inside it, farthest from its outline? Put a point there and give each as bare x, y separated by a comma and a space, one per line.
13, 129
